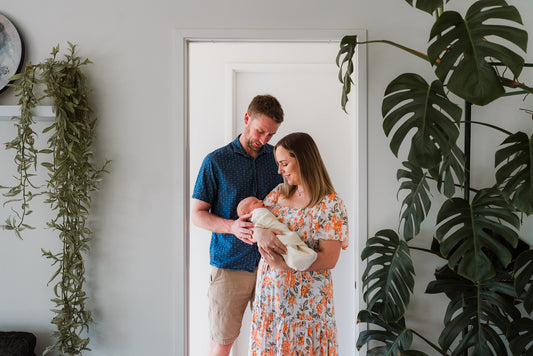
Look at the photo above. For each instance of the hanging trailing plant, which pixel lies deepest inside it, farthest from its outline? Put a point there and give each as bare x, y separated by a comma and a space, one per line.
26, 154
71, 178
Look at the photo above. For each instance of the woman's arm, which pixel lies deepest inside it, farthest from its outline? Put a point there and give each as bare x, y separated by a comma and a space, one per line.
268, 242
327, 257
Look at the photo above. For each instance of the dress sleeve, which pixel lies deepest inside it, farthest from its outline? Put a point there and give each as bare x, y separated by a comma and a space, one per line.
333, 220
272, 197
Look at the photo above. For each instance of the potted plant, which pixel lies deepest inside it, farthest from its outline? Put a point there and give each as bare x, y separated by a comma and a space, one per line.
487, 269
72, 177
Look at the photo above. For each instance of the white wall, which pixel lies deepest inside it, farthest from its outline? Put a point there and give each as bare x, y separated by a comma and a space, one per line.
130, 267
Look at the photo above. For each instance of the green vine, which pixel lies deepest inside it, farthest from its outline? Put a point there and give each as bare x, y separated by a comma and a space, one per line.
26, 156
72, 177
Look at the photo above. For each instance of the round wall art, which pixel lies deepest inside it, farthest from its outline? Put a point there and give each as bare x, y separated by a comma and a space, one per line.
11, 52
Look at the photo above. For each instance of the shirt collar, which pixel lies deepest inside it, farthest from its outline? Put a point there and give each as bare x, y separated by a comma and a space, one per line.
237, 148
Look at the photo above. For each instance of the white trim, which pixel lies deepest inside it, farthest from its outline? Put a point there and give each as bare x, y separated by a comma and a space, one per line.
42, 112
361, 173
180, 266
180, 112
232, 69
231, 106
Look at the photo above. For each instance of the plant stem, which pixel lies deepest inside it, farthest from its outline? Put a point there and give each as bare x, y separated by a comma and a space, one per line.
488, 125
438, 349
457, 185
424, 250
514, 84
468, 138
407, 49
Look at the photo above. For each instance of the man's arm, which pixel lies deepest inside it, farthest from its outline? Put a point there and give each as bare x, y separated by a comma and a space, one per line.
203, 218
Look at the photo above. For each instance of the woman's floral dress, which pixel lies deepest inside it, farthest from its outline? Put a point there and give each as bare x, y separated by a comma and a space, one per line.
293, 312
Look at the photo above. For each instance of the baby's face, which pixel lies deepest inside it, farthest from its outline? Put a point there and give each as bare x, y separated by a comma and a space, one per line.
257, 204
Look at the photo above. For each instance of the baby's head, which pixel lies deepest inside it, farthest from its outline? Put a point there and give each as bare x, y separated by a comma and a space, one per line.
247, 205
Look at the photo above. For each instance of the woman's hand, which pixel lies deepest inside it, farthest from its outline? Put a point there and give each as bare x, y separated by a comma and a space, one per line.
267, 241
274, 260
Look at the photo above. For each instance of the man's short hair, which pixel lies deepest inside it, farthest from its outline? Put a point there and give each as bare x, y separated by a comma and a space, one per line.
266, 105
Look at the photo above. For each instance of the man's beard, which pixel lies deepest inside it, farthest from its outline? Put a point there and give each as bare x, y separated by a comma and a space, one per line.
250, 142
251, 146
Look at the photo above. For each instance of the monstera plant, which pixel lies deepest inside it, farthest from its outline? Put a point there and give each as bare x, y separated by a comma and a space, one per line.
487, 267
71, 177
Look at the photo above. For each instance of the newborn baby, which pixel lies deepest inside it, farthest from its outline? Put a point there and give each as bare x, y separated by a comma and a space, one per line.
299, 256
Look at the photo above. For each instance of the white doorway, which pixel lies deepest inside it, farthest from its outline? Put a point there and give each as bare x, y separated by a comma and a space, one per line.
222, 77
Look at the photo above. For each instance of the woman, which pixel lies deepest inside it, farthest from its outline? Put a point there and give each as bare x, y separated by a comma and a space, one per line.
293, 311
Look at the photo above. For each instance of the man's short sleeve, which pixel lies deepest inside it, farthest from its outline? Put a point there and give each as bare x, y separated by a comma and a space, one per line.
205, 187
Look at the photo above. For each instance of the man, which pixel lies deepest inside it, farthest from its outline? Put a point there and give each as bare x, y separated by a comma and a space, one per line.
245, 167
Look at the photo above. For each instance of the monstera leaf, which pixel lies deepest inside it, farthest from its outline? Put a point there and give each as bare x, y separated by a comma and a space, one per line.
521, 337
448, 282
417, 203
451, 166
523, 282
515, 172
425, 109
348, 44
395, 336
461, 49
482, 310
468, 231
388, 279
428, 6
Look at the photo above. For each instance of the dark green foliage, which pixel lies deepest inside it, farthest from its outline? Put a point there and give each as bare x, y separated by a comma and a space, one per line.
471, 306
388, 279
487, 271
395, 335
412, 104
72, 177
515, 170
466, 231
521, 336
348, 45
417, 203
461, 49
429, 6
451, 172
523, 282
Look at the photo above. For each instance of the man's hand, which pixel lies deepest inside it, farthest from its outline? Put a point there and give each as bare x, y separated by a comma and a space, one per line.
243, 229
268, 241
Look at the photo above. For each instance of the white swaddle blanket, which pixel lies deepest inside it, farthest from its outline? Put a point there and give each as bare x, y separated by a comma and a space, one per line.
299, 256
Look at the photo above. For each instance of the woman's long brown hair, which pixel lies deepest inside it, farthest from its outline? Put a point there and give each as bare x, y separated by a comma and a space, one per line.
313, 172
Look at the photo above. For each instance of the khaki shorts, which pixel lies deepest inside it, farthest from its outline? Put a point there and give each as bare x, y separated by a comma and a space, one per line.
229, 292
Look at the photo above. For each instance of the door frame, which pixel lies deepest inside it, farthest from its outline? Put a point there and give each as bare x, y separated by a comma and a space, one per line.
180, 113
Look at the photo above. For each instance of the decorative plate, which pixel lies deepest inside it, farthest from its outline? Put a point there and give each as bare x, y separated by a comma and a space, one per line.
11, 52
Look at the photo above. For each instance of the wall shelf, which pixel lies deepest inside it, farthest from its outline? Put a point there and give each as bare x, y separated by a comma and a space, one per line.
41, 113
